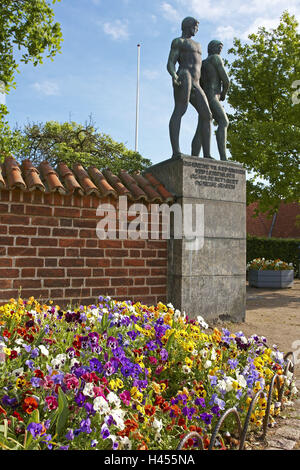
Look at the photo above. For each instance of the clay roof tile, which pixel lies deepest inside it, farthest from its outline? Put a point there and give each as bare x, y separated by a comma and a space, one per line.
166, 195
152, 194
51, 179
131, 184
84, 180
68, 178
116, 183
13, 174
100, 181
32, 176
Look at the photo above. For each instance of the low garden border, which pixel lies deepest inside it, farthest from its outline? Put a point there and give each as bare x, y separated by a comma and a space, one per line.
243, 430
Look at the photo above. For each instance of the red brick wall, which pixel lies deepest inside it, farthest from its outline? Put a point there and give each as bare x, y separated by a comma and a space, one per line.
49, 249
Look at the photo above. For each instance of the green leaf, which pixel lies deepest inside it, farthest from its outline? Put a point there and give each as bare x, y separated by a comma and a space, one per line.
63, 412
34, 418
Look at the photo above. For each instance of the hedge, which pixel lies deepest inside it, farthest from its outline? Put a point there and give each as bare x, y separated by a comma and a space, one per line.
286, 249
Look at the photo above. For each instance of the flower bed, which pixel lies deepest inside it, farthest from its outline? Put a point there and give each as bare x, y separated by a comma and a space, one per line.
123, 376
269, 265
270, 273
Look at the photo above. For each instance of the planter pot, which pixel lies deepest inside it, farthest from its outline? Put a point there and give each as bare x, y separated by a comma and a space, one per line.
272, 279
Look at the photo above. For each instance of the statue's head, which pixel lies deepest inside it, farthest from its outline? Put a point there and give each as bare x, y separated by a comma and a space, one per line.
189, 25
214, 47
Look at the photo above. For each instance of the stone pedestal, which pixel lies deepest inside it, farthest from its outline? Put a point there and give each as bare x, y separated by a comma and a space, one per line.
210, 281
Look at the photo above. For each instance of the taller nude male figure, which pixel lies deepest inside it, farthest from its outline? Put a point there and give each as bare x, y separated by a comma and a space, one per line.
186, 85
215, 83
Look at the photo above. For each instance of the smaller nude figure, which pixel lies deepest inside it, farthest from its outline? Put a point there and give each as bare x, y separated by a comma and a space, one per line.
215, 83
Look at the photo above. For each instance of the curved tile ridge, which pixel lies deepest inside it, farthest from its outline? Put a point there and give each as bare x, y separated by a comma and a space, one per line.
166, 195
131, 184
116, 183
68, 178
51, 179
152, 194
85, 181
99, 179
13, 174
2, 181
32, 176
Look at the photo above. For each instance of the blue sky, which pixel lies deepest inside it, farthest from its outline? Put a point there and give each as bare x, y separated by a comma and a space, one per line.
95, 73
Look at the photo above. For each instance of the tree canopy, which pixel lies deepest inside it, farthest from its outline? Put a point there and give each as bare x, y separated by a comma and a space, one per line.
71, 142
264, 131
27, 26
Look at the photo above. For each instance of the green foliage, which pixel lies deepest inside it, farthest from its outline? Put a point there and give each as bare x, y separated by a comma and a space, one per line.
10, 141
264, 131
72, 142
28, 32
28, 27
285, 249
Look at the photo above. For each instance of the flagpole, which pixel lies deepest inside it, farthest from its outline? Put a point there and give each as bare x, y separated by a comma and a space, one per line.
137, 97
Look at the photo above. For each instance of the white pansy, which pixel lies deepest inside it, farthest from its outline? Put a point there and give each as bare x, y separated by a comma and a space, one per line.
170, 306
207, 364
88, 390
225, 384
241, 381
203, 353
221, 386
94, 312
101, 405
113, 399
186, 369
125, 443
213, 354
202, 322
18, 372
118, 417
44, 350
177, 315
19, 341
277, 356
157, 425
59, 360
74, 362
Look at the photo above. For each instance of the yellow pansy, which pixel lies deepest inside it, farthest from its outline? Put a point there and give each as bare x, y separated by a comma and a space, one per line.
235, 385
113, 385
188, 362
119, 383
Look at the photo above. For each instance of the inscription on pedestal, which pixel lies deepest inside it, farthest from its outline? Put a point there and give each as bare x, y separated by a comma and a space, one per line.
215, 176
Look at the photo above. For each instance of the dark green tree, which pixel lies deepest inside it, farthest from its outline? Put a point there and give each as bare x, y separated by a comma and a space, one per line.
264, 132
71, 142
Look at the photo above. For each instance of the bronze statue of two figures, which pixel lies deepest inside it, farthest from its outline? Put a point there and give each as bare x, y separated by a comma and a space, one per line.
204, 84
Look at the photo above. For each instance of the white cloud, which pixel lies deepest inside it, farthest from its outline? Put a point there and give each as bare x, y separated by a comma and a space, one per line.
268, 23
150, 74
246, 16
169, 12
47, 87
117, 29
225, 32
